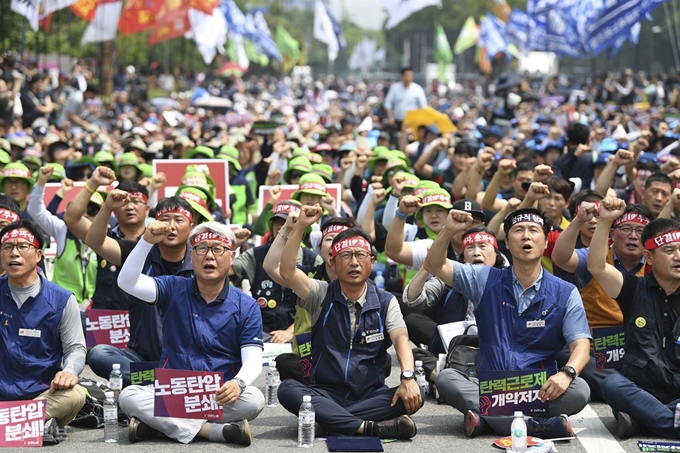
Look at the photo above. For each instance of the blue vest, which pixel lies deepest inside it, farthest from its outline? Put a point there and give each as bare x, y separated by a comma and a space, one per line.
343, 361
146, 330
28, 364
206, 336
452, 309
505, 341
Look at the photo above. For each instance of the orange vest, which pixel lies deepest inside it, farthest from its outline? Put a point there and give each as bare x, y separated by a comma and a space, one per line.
602, 310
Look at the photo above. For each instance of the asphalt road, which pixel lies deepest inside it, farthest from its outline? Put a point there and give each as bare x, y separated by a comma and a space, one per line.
440, 429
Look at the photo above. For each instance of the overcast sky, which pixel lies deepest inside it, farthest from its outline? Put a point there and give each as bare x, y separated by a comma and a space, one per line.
365, 13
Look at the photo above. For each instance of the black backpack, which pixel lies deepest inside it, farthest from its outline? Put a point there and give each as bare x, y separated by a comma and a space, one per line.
462, 355
92, 414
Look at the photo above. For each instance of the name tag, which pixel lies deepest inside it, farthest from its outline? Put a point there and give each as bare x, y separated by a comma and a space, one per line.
375, 337
531, 324
29, 333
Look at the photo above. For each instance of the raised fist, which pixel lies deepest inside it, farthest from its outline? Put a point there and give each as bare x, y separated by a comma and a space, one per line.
156, 231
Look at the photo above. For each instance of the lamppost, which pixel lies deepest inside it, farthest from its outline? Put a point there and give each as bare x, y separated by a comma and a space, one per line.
655, 30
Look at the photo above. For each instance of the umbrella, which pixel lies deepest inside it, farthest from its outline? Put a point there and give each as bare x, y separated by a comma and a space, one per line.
213, 102
229, 69
161, 103
427, 117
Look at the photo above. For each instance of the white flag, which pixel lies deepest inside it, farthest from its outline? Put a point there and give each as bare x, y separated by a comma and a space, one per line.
30, 9
104, 25
209, 32
323, 30
50, 6
398, 10
242, 58
363, 55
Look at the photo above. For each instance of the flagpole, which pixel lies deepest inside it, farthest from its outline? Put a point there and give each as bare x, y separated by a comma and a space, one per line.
23, 39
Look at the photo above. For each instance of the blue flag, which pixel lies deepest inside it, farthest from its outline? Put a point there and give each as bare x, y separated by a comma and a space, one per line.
492, 35
264, 40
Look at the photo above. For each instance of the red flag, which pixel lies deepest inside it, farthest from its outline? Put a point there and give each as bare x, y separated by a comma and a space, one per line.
84, 9
45, 22
172, 21
138, 15
206, 6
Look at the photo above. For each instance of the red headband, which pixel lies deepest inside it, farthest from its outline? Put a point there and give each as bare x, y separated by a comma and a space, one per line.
479, 238
9, 215
333, 229
527, 217
286, 208
12, 172
662, 239
195, 198
313, 186
354, 242
632, 217
21, 233
578, 206
139, 195
436, 198
643, 174
210, 236
180, 211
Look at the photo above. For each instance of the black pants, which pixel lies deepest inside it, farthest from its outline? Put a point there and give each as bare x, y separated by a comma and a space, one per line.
337, 414
421, 327
289, 367
591, 373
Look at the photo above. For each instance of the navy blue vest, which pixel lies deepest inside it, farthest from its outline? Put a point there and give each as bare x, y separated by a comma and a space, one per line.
343, 361
206, 336
453, 308
146, 330
505, 341
28, 364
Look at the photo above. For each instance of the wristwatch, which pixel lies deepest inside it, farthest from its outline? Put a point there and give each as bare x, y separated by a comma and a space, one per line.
570, 371
241, 383
407, 374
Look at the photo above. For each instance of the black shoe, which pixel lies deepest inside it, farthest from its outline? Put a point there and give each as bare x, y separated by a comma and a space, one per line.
138, 431
549, 427
398, 428
238, 433
626, 427
474, 424
52, 433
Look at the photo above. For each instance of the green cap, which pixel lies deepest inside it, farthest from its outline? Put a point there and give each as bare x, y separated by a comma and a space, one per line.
312, 184
146, 169
379, 153
17, 170
201, 152
200, 181
104, 158
59, 172
97, 198
326, 172
4, 157
300, 163
34, 160
434, 197
129, 159
198, 201
423, 186
231, 154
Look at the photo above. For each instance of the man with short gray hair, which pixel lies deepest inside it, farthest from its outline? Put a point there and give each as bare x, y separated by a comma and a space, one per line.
218, 314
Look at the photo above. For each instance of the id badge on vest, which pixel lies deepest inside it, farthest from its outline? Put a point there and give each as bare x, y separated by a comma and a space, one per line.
34, 333
535, 324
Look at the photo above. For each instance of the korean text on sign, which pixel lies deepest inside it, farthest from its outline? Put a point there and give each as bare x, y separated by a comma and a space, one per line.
504, 392
110, 327
22, 423
187, 394
609, 343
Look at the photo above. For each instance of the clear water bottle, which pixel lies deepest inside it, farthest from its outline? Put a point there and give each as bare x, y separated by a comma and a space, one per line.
272, 382
110, 418
245, 287
116, 381
380, 280
676, 418
421, 380
306, 423
518, 433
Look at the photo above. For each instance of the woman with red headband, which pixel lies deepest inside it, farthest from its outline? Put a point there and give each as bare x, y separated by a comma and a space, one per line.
479, 247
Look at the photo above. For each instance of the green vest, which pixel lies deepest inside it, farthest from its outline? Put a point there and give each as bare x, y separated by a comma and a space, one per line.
68, 271
252, 183
239, 213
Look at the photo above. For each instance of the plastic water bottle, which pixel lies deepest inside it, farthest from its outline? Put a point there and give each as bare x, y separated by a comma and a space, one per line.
116, 381
245, 287
518, 432
380, 280
306, 423
272, 382
110, 419
676, 418
421, 380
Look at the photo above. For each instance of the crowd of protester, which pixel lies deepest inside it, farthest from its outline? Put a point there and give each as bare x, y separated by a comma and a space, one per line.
541, 209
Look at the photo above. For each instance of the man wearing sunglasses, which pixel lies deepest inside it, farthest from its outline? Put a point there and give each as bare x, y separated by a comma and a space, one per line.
353, 325
215, 328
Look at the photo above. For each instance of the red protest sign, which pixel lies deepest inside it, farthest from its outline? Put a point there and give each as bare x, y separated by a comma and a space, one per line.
175, 169
22, 423
110, 327
187, 394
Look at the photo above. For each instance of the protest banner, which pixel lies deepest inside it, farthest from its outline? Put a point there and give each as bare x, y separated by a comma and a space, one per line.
187, 394
174, 170
110, 327
22, 423
609, 343
504, 392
